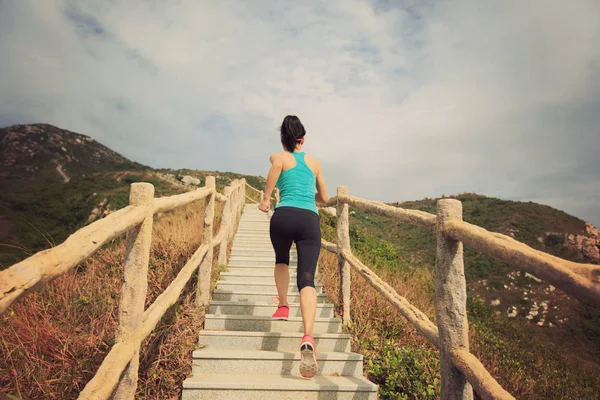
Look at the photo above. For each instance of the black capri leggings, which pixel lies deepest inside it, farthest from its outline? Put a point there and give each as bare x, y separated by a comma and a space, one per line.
291, 224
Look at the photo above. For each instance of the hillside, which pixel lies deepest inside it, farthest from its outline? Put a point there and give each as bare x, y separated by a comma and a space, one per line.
55, 181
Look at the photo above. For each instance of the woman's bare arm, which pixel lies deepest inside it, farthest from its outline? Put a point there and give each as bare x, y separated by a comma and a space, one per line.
276, 168
321, 197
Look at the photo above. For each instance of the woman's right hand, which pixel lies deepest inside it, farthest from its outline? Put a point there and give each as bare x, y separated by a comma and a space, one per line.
265, 206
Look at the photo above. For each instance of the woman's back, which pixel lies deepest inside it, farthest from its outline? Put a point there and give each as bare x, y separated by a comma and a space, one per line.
297, 181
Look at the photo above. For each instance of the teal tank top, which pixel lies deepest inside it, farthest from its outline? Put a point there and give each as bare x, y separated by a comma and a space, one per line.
298, 185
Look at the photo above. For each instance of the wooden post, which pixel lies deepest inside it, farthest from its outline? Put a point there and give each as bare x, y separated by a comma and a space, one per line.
204, 273
135, 284
343, 242
226, 215
450, 302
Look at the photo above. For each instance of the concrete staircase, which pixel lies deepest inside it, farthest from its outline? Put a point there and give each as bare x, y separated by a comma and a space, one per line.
246, 355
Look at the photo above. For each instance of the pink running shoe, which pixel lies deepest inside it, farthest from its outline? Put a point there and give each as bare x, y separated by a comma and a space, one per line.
282, 313
308, 357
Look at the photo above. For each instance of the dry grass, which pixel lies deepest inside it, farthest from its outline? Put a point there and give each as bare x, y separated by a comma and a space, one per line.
372, 315
53, 341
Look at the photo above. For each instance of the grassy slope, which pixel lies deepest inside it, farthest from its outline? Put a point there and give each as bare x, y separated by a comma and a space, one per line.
529, 361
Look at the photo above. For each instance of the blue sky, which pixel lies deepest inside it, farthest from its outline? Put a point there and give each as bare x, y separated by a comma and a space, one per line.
401, 100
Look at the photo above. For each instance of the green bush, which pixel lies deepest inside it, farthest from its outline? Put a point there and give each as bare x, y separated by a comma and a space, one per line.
403, 372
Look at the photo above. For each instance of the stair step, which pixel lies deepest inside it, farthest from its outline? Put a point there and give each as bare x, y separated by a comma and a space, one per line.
266, 324
228, 295
252, 273
254, 278
255, 256
258, 262
257, 268
260, 287
263, 309
272, 362
259, 253
282, 341
277, 387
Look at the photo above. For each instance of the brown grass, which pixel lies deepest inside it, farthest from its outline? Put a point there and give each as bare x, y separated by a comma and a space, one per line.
52, 342
372, 315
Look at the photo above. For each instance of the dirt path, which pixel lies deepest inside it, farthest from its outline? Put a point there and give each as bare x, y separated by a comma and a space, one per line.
62, 173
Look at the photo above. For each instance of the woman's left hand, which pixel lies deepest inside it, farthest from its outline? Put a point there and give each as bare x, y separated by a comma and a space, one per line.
265, 206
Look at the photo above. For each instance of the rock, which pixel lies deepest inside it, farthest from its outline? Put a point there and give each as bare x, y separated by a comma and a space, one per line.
495, 302
330, 210
528, 275
190, 180
511, 312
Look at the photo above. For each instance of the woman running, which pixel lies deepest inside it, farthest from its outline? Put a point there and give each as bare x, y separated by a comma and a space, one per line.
296, 219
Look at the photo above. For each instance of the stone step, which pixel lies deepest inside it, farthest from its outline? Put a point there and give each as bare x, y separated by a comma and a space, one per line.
260, 256
228, 295
277, 387
252, 269
263, 309
259, 287
253, 243
259, 262
272, 362
256, 278
267, 324
252, 235
256, 249
266, 267
256, 253
281, 341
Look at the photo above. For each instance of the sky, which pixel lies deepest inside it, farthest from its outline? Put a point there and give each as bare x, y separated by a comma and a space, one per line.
401, 100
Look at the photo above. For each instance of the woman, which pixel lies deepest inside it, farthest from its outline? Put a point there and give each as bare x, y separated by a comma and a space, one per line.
296, 219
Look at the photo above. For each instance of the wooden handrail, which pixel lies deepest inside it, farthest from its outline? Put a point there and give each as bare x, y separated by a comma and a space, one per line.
581, 281
172, 202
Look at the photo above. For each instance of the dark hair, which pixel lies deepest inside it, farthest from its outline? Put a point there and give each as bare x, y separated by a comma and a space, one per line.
291, 130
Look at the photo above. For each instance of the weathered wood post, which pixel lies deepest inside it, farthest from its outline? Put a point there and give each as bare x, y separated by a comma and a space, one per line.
242, 199
135, 284
225, 217
450, 302
343, 242
203, 290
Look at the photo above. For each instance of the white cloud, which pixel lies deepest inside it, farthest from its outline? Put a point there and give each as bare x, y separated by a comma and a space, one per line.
399, 103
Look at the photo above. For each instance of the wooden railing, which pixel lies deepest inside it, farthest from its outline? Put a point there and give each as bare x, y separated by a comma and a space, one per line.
261, 193
459, 368
117, 375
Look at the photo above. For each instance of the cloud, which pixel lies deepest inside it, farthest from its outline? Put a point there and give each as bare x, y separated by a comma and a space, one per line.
399, 101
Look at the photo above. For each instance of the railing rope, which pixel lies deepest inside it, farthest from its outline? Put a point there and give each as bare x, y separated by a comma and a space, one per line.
135, 284
204, 273
343, 242
451, 303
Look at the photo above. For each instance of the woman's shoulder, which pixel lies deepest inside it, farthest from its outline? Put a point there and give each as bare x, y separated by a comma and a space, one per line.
309, 158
